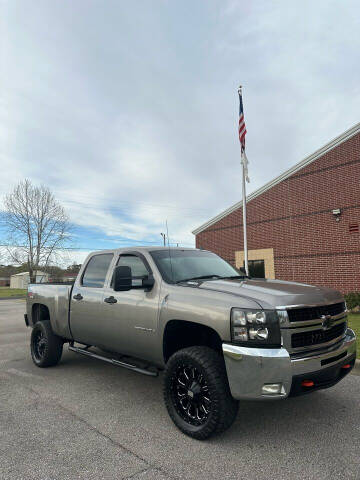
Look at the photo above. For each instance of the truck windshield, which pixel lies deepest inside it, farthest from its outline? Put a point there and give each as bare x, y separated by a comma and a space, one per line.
183, 265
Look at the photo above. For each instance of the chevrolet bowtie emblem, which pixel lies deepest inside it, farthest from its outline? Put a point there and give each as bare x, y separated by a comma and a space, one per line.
326, 322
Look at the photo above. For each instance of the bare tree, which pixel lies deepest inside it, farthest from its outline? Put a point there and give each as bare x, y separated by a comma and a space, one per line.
36, 224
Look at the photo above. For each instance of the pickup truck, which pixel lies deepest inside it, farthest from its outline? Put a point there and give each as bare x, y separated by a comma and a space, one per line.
218, 335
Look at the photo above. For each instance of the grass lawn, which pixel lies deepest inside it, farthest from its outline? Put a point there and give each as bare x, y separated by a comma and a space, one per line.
354, 323
6, 292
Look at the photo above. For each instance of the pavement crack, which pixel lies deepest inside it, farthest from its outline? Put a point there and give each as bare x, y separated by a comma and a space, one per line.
154, 469
144, 470
104, 435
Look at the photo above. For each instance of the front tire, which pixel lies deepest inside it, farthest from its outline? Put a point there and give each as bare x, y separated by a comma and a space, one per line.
46, 347
197, 394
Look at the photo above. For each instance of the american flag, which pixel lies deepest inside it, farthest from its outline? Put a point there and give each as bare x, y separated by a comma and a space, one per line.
242, 127
242, 133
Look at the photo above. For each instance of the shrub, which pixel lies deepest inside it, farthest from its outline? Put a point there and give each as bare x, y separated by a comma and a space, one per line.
352, 300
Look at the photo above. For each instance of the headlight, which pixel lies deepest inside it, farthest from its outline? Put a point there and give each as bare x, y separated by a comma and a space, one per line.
255, 327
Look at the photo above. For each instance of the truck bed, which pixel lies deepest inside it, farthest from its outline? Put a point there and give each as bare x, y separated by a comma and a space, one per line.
56, 297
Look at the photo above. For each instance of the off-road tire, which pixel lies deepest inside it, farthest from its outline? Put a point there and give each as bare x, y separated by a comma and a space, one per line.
211, 367
51, 345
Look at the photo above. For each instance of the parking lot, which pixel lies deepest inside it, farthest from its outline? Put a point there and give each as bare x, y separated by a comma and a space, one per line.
88, 420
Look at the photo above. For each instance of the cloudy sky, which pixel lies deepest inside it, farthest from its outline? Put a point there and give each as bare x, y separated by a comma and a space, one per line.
128, 110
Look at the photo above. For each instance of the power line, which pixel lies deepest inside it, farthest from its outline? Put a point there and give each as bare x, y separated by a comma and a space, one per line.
118, 210
128, 202
154, 244
57, 248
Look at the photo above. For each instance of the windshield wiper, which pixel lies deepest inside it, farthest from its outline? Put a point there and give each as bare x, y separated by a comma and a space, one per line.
234, 277
202, 277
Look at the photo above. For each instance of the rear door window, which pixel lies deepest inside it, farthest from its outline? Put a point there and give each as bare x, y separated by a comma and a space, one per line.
96, 270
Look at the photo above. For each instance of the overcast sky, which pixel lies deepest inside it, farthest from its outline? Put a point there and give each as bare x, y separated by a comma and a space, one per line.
128, 110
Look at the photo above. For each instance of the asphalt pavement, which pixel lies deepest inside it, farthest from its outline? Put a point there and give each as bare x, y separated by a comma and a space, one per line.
85, 419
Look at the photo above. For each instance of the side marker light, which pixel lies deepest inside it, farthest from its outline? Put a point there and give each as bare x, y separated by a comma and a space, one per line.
307, 383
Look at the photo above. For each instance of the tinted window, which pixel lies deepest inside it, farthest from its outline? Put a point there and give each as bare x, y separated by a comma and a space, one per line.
96, 270
185, 264
137, 266
256, 268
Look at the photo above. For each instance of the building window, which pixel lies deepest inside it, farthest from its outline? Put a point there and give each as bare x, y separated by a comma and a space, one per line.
261, 262
256, 268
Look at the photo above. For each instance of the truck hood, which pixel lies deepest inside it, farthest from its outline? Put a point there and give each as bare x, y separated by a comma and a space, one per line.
274, 293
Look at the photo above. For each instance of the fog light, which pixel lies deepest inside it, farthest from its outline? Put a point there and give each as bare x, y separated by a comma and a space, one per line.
272, 389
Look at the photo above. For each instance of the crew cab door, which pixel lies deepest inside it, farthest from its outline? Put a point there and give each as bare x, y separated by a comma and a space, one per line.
129, 321
86, 305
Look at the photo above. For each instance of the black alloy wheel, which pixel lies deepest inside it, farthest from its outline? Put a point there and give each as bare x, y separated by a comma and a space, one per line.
46, 347
190, 394
197, 394
39, 345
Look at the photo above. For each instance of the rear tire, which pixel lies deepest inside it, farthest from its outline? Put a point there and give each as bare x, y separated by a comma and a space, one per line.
46, 347
197, 394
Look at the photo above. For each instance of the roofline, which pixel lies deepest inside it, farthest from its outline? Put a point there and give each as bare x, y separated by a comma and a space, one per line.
37, 272
303, 163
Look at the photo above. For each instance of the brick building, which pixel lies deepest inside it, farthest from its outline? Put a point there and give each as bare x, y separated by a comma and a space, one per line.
303, 225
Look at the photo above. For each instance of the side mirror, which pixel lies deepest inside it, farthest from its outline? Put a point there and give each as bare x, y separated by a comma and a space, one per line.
122, 279
148, 282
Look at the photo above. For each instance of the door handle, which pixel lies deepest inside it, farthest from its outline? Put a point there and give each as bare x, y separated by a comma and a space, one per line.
110, 299
78, 297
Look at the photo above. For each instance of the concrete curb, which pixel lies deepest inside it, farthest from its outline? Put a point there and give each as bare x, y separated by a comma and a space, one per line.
13, 298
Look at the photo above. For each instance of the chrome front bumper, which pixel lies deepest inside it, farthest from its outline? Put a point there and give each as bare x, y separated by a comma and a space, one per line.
249, 369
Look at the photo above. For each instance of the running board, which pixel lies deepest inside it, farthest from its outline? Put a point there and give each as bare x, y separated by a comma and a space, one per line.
119, 363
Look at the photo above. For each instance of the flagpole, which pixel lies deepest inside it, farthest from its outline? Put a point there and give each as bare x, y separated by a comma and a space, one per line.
246, 262
244, 218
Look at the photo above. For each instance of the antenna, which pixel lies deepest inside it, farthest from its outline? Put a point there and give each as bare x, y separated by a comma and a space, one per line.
167, 234
164, 238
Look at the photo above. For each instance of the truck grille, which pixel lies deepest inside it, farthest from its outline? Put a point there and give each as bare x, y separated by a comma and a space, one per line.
315, 337
312, 313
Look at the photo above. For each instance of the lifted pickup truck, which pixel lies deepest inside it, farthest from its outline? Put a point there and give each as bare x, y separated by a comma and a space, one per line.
219, 336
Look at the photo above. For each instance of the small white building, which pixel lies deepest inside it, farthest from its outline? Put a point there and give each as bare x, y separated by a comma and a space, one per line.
22, 279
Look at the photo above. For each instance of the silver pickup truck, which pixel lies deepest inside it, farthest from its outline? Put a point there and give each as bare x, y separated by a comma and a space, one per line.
219, 336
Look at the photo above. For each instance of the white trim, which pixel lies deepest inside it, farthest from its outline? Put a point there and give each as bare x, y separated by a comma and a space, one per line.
306, 161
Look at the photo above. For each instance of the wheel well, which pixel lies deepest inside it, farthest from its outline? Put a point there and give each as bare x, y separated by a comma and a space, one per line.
39, 312
180, 334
